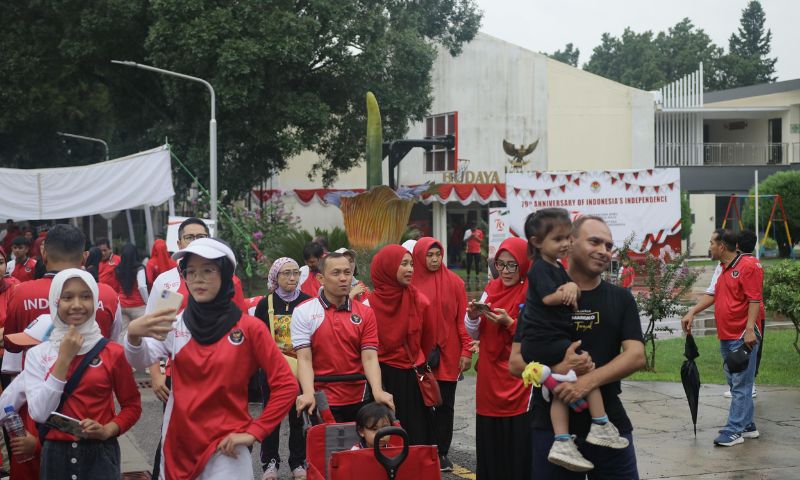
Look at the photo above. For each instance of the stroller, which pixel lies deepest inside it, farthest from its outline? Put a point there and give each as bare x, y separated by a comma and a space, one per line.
329, 455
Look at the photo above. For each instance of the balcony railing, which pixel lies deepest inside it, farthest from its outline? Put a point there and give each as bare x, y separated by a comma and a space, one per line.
687, 154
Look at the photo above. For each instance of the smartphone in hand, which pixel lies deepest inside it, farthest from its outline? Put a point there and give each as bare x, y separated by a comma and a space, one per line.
168, 299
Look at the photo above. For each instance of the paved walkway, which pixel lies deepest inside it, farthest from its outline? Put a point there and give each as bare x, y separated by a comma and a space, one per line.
665, 443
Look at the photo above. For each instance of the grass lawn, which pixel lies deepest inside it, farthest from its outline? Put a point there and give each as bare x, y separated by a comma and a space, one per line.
780, 364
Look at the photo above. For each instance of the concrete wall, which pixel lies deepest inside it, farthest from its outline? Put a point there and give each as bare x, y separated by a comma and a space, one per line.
596, 123
500, 92
703, 207
755, 132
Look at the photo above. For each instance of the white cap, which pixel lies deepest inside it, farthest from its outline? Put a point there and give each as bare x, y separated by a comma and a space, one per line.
34, 334
209, 248
346, 251
409, 245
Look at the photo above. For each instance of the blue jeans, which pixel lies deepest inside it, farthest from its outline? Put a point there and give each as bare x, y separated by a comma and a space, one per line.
742, 408
609, 464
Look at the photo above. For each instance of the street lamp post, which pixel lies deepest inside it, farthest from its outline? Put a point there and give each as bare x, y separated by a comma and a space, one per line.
88, 139
212, 127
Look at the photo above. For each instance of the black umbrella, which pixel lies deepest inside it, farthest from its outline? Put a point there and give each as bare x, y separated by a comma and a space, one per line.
690, 378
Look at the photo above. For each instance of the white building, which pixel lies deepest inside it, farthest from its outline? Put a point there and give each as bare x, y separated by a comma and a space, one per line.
497, 91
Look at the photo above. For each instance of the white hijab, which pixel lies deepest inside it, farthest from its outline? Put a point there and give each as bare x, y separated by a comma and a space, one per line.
88, 329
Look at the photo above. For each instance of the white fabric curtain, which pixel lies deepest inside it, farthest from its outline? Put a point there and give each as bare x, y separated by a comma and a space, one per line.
144, 178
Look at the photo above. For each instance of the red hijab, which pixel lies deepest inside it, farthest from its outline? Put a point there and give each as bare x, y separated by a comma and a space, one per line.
510, 298
397, 308
160, 255
441, 286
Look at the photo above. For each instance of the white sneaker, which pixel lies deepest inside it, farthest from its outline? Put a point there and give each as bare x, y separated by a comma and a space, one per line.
728, 393
565, 454
271, 473
299, 473
606, 435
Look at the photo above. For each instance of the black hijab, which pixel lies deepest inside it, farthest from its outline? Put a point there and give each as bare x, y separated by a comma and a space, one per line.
209, 322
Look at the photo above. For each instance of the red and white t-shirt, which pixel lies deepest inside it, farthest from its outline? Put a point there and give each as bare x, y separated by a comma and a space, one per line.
208, 400
738, 285
106, 272
138, 296
473, 238
23, 271
31, 299
109, 375
336, 336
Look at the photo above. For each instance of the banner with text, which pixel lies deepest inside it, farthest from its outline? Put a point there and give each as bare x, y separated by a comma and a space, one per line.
645, 203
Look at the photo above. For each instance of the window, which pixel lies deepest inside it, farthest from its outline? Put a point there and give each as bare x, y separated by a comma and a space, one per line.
440, 159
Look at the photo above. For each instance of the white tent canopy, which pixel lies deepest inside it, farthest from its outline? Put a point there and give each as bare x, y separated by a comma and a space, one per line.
142, 179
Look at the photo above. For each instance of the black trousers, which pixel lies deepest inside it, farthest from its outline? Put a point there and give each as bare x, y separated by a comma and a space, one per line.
760, 348
474, 258
503, 447
271, 444
93, 460
415, 418
444, 416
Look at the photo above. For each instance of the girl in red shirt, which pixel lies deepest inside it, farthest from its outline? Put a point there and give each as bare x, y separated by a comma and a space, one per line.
73, 303
132, 283
502, 402
214, 349
405, 337
452, 345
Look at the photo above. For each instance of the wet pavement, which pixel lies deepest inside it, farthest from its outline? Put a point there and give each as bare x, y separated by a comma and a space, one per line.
666, 447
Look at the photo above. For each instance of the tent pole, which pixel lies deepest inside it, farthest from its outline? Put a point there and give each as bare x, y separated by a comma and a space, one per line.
91, 228
171, 206
109, 224
148, 220
130, 226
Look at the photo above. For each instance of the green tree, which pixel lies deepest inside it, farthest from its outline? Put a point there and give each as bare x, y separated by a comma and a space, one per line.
686, 216
683, 47
782, 293
748, 61
289, 77
569, 55
787, 185
631, 59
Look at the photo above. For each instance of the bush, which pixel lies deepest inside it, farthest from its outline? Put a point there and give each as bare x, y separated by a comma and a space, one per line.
252, 231
290, 244
782, 293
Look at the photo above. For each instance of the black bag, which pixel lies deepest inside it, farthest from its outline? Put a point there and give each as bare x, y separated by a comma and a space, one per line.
73, 381
435, 357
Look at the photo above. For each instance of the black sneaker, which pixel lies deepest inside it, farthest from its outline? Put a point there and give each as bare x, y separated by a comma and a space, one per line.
445, 463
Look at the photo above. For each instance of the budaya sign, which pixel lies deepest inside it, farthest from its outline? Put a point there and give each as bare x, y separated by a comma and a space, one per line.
470, 176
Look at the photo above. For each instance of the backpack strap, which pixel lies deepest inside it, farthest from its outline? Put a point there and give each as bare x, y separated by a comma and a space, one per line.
271, 314
73, 381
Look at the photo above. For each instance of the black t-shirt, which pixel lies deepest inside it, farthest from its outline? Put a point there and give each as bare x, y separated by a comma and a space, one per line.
606, 316
279, 305
542, 325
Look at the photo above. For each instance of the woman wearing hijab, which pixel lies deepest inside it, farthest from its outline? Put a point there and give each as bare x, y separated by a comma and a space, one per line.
159, 262
502, 403
275, 310
7, 283
214, 350
73, 302
405, 336
452, 343
133, 286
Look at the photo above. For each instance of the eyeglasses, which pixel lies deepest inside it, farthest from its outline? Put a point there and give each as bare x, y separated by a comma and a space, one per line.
289, 273
207, 273
510, 267
191, 238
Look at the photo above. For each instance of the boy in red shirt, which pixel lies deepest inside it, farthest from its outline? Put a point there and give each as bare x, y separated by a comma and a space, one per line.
627, 274
473, 238
109, 261
22, 268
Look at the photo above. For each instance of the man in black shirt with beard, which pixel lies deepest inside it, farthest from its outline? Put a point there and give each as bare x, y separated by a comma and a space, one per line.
610, 348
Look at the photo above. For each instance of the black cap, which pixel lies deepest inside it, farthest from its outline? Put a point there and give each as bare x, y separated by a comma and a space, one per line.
738, 359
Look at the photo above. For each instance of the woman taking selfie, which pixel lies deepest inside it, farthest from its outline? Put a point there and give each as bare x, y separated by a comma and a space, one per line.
214, 350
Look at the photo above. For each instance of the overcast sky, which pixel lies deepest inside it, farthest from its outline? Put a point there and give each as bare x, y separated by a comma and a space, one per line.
549, 25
